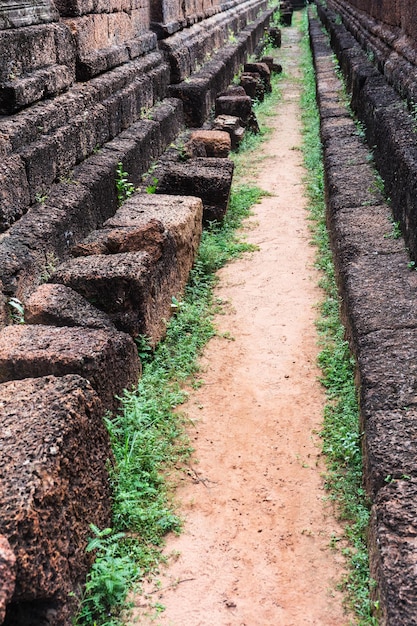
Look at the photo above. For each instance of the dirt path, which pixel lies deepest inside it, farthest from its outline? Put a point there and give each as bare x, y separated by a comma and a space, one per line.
254, 550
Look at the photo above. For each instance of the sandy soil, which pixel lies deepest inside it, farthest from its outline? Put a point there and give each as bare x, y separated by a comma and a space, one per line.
254, 550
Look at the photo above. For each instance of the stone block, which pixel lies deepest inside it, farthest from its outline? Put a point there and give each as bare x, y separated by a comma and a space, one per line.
133, 288
231, 125
182, 220
149, 237
253, 86
14, 191
352, 186
216, 143
108, 359
41, 163
24, 13
387, 364
54, 483
393, 551
366, 281
264, 72
57, 305
236, 105
74, 8
42, 83
25, 50
389, 447
207, 178
134, 291
169, 115
274, 35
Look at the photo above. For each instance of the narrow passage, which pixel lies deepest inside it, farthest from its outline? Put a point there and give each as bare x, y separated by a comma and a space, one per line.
255, 546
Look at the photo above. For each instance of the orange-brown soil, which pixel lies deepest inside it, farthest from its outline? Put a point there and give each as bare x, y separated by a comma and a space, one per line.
254, 550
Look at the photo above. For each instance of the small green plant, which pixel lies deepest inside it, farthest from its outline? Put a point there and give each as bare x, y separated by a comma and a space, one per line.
41, 198
109, 580
395, 232
17, 310
371, 55
146, 113
231, 36
51, 263
153, 186
124, 188
412, 265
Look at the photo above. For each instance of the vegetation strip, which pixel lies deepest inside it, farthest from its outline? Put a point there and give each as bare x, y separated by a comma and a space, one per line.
341, 436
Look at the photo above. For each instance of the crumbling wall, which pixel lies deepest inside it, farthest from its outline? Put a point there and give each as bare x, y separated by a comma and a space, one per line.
86, 99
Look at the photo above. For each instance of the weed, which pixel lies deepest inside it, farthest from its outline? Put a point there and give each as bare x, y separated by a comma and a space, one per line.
153, 186
231, 38
395, 231
41, 198
51, 263
146, 113
17, 311
341, 436
68, 179
109, 579
124, 188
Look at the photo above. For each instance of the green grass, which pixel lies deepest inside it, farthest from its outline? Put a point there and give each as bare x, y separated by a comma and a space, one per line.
341, 436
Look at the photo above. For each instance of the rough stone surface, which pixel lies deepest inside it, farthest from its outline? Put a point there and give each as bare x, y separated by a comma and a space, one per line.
14, 191
393, 550
209, 179
230, 124
149, 238
264, 72
7, 575
378, 295
366, 282
134, 291
53, 485
253, 85
350, 187
182, 220
57, 305
216, 143
389, 446
134, 288
108, 359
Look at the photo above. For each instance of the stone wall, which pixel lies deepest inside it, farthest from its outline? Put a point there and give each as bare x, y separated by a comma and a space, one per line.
376, 277
87, 97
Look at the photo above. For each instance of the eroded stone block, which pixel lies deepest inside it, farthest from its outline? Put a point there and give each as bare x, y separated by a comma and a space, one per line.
216, 143
57, 305
134, 291
393, 551
54, 449
209, 179
14, 191
149, 237
108, 359
181, 218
